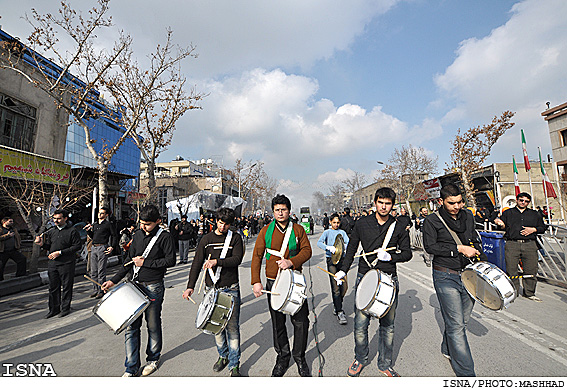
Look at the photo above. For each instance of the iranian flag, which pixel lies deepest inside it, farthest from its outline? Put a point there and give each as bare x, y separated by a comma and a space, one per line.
525, 150
547, 186
516, 183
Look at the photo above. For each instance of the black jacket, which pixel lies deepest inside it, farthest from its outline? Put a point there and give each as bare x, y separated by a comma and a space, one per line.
155, 264
440, 243
347, 224
368, 232
66, 240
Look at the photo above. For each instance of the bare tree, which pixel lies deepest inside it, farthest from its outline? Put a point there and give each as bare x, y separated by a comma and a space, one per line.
336, 197
352, 184
470, 149
84, 70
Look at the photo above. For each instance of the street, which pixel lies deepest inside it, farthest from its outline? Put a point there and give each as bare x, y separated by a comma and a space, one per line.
529, 339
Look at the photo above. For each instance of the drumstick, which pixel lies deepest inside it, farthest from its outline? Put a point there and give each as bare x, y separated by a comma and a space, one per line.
373, 252
191, 299
330, 273
128, 263
94, 281
203, 278
269, 292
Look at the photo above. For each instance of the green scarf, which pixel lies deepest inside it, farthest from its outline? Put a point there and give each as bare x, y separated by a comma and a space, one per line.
292, 243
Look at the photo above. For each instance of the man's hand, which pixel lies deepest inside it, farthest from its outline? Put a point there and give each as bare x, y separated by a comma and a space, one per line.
383, 255
284, 263
54, 255
107, 285
468, 251
526, 231
108, 250
257, 289
499, 222
339, 277
210, 263
39, 240
138, 260
187, 293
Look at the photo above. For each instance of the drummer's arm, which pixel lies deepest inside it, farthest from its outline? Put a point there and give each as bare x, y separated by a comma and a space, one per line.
197, 264
235, 259
403, 252
256, 264
351, 249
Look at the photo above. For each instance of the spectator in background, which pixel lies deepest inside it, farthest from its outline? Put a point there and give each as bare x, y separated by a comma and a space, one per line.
10, 244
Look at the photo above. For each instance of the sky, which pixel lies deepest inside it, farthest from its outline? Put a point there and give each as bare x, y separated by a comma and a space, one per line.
318, 90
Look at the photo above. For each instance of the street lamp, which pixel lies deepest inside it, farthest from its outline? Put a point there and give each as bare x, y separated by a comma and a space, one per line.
239, 173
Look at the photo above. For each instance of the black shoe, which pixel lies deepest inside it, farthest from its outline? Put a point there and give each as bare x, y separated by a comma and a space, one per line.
235, 371
64, 313
220, 364
303, 368
51, 314
280, 368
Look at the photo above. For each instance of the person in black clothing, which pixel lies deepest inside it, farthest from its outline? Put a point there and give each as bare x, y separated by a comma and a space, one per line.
522, 226
10, 244
449, 259
404, 219
61, 242
147, 270
347, 223
325, 221
212, 257
183, 229
104, 240
371, 232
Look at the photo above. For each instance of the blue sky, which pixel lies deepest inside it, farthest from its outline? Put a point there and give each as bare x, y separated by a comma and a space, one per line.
320, 89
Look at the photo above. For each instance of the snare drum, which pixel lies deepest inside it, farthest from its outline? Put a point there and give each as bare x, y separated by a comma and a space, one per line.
375, 293
488, 285
121, 306
288, 292
214, 312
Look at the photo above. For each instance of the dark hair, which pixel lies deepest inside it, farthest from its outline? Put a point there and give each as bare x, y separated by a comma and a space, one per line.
524, 195
226, 215
5, 219
281, 199
106, 210
333, 216
63, 212
450, 190
347, 210
149, 213
385, 193
183, 216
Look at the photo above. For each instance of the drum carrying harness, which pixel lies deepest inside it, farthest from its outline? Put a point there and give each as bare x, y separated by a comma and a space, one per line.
216, 276
146, 253
387, 239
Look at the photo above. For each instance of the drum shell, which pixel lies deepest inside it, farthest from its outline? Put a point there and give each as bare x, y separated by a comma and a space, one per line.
213, 317
121, 306
381, 290
491, 275
290, 285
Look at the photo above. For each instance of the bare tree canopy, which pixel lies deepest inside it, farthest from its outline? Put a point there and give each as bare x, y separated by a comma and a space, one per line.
471, 148
352, 184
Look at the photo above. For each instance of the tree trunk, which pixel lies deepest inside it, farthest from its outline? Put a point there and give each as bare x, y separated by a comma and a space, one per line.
152, 193
102, 186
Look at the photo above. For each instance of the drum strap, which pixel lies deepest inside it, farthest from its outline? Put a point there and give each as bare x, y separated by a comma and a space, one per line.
216, 276
147, 252
385, 244
453, 234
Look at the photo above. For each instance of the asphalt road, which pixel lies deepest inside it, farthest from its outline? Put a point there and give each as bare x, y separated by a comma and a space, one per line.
529, 339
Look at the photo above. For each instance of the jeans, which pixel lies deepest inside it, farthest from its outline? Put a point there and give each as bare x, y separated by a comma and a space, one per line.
385, 332
155, 292
300, 322
183, 250
228, 341
456, 308
337, 292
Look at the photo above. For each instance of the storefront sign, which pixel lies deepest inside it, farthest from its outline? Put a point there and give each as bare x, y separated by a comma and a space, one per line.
19, 165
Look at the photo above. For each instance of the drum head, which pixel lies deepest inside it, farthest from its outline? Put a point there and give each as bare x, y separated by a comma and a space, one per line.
281, 286
481, 290
366, 290
340, 248
206, 308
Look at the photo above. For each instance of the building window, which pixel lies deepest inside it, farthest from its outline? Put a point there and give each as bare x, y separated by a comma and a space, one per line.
563, 137
17, 124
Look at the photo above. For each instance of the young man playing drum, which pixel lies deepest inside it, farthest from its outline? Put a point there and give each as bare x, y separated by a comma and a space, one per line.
377, 233
291, 256
219, 254
449, 259
147, 270
327, 243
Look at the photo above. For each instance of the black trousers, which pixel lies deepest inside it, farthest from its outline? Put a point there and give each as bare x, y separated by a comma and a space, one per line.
527, 252
300, 322
61, 277
19, 259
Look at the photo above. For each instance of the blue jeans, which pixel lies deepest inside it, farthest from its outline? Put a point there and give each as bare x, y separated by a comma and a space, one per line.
228, 341
456, 308
385, 332
155, 292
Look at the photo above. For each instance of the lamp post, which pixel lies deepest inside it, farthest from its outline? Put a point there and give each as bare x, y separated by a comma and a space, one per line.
239, 174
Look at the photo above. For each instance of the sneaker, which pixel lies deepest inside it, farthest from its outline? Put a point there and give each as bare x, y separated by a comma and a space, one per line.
150, 368
342, 318
235, 371
220, 364
534, 298
127, 374
355, 368
389, 372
